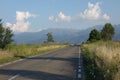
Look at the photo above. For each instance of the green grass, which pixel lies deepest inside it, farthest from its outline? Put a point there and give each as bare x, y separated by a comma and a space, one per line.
8, 59
102, 60
16, 52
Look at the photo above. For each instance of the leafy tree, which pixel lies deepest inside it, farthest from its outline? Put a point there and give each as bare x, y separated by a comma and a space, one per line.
5, 36
50, 37
107, 32
94, 35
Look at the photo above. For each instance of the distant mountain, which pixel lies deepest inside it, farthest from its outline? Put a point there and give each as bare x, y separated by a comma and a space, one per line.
60, 35
117, 32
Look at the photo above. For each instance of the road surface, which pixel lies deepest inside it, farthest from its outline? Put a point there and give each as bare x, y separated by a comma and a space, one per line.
63, 64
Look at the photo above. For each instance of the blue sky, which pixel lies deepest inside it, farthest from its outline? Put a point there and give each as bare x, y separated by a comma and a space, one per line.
35, 15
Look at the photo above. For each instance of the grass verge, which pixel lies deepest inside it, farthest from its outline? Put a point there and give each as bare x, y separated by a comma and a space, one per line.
102, 60
16, 52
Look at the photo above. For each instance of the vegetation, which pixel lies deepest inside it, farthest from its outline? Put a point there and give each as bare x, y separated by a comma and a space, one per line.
106, 34
13, 52
102, 60
5, 36
94, 35
50, 37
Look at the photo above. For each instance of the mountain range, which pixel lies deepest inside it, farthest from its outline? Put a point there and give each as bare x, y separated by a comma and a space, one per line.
72, 36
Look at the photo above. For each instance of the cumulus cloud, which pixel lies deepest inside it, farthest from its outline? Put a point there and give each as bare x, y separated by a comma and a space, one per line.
105, 16
52, 18
21, 25
63, 17
94, 12
60, 17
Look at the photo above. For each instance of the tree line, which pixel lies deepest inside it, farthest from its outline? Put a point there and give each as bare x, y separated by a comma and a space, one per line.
105, 34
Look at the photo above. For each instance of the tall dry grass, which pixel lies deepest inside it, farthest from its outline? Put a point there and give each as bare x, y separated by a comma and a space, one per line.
106, 57
4, 54
23, 51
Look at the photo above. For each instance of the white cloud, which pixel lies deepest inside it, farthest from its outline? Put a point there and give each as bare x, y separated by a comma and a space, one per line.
63, 17
60, 17
94, 12
21, 25
52, 18
105, 16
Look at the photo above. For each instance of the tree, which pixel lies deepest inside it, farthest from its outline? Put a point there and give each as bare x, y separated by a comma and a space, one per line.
107, 32
5, 36
94, 35
50, 37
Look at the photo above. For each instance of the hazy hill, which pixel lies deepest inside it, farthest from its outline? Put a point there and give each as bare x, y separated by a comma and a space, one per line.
60, 35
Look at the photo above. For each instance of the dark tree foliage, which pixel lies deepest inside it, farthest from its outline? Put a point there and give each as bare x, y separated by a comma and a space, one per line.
50, 37
94, 35
107, 32
5, 36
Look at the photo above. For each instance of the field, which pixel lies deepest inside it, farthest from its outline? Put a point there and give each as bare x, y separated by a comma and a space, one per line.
15, 52
102, 60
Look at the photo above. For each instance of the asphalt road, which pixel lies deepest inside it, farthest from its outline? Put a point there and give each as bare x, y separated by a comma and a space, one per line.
63, 64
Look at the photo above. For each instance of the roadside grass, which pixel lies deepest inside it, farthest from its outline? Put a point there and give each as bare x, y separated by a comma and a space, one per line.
102, 60
16, 52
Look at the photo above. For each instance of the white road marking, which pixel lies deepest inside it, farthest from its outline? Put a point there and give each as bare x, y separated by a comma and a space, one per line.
13, 77
79, 66
11, 62
79, 70
79, 76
